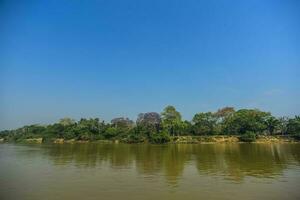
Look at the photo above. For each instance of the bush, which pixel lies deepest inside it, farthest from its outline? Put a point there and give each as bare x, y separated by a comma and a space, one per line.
111, 132
159, 138
248, 137
69, 135
296, 136
135, 138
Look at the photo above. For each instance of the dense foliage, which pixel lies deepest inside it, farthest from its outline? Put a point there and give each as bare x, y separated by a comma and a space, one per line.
159, 128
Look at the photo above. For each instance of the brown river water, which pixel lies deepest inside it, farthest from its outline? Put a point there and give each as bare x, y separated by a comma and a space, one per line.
141, 171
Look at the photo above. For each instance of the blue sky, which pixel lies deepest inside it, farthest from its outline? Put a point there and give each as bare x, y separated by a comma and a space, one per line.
111, 58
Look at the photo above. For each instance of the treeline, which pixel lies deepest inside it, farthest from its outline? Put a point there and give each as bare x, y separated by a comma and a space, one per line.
158, 128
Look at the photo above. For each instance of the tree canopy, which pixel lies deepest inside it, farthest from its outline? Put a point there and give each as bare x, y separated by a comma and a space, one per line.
158, 128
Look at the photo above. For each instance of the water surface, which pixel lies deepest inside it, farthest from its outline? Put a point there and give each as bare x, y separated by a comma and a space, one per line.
135, 172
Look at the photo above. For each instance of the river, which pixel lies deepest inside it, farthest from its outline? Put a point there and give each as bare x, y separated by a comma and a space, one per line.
141, 171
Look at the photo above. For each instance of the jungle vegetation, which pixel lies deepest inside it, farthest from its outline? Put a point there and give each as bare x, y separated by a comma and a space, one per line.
159, 128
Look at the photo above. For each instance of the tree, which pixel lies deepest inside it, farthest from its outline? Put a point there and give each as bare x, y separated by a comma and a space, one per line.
90, 129
171, 119
185, 128
122, 122
111, 132
66, 121
224, 112
156, 128
204, 123
221, 115
150, 120
159, 138
244, 120
282, 125
272, 124
293, 126
56, 130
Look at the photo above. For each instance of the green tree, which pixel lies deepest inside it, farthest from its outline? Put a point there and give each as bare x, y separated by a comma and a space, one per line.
122, 123
159, 138
293, 126
90, 129
111, 132
152, 128
171, 120
136, 135
204, 123
252, 120
185, 128
223, 113
122, 126
282, 125
66, 121
272, 124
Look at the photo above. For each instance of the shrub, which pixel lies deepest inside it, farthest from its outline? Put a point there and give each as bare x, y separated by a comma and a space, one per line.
111, 132
248, 137
296, 136
159, 138
135, 138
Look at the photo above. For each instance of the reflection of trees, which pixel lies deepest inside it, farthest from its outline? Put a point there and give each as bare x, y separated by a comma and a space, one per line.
255, 160
90, 155
168, 159
233, 161
209, 158
294, 148
175, 157
149, 158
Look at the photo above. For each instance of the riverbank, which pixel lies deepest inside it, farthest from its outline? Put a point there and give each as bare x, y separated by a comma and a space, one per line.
176, 140
231, 139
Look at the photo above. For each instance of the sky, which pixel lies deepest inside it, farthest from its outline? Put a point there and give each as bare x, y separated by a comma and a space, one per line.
113, 58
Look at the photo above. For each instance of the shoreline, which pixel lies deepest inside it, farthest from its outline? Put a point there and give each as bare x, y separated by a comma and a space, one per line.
216, 139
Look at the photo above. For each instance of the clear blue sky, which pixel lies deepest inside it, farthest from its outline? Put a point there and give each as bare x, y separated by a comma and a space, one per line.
111, 58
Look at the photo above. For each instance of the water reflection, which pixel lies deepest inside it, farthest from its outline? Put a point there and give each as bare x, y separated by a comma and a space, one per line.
239, 160
231, 161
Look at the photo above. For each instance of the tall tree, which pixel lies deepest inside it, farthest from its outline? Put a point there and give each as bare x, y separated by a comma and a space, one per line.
149, 123
122, 122
282, 125
245, 120
224, 112
66, 121
171, 119
272, 124
293, 126
204, 123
